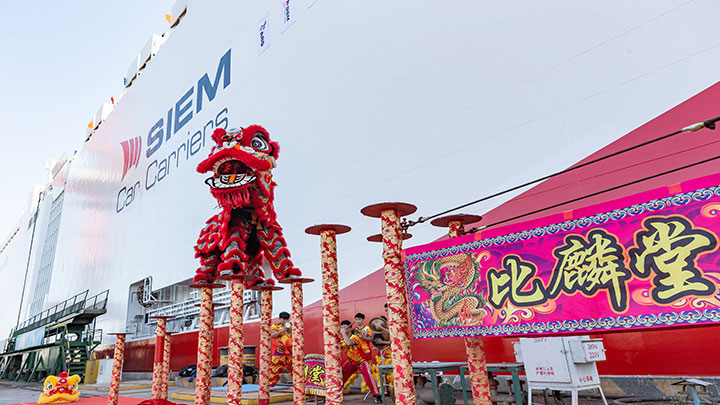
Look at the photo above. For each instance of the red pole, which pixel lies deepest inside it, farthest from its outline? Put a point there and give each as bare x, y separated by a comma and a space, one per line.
390, 214
474, 348
265, 355
331, 320
298, 336
235, 344
203, 381
166, 367
159, 353
298, 352
117, 368
331, 311
265, 346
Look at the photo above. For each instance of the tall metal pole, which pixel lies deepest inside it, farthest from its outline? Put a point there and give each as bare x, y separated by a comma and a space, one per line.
396, 291
27, 265
116, 375
203, 381
331, 311
298, 336
474, 347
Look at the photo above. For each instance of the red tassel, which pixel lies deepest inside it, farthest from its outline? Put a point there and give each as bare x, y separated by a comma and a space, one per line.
232, 199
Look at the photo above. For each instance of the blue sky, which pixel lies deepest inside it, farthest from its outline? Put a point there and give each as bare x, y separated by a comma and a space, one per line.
60, 62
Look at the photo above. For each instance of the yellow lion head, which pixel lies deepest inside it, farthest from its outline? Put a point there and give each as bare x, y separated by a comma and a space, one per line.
60, 389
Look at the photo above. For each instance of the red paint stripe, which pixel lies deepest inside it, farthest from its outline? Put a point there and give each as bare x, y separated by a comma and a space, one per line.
138, 149
126, 156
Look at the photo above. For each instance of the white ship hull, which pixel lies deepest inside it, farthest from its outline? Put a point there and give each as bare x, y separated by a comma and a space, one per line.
429, 102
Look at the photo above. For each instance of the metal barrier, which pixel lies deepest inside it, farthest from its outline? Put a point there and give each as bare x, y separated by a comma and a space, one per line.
77, 303
98, 301
189, 307
71, 305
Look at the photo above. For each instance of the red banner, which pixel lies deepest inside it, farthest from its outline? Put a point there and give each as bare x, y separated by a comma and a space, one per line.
648, 260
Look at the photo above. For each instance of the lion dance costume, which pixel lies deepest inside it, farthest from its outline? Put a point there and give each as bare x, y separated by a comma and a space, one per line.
60, 389
236, 240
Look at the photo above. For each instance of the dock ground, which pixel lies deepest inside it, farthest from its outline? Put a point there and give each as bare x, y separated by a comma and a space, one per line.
27, 393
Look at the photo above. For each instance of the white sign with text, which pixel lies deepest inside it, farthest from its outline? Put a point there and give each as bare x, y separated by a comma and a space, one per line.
263, 34
288, 14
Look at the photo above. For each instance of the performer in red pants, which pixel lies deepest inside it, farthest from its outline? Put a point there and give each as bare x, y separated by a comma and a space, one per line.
357, 351
281, 335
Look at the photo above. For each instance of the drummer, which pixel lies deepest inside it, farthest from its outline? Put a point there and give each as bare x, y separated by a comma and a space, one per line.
357, 351
384, 356
384, 330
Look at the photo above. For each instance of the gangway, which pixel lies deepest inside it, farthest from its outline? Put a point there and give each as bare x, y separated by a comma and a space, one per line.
57, 339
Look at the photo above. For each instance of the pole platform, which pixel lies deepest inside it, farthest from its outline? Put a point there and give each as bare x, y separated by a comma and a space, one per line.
337, 228
465, 219
376, 210
378, 237
301, 280
267, 287
241, 277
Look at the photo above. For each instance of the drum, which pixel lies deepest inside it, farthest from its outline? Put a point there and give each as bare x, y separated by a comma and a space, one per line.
381, 333
315, 374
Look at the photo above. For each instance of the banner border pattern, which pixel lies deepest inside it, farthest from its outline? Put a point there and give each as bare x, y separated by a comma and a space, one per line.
583, 325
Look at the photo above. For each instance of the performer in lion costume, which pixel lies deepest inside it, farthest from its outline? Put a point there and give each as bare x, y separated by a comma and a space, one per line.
246, 230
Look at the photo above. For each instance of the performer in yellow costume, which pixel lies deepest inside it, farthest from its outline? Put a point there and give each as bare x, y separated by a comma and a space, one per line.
358, 356
363, 330
365, 333
384, 353
280, 333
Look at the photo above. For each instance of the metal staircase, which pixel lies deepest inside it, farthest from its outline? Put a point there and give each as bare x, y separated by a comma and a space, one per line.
59, 339
75, 358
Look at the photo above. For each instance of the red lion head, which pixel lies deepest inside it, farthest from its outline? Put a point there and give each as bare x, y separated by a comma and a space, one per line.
241, 164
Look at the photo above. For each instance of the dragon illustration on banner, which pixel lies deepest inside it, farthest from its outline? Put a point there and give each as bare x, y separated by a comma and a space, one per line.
452, 282
236, 240
642, 261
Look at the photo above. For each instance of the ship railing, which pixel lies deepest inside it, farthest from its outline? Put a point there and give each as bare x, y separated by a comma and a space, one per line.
188, 307
98, 301
69, 306
93, 337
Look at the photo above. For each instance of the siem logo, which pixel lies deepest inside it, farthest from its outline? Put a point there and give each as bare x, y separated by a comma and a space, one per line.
131, 153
